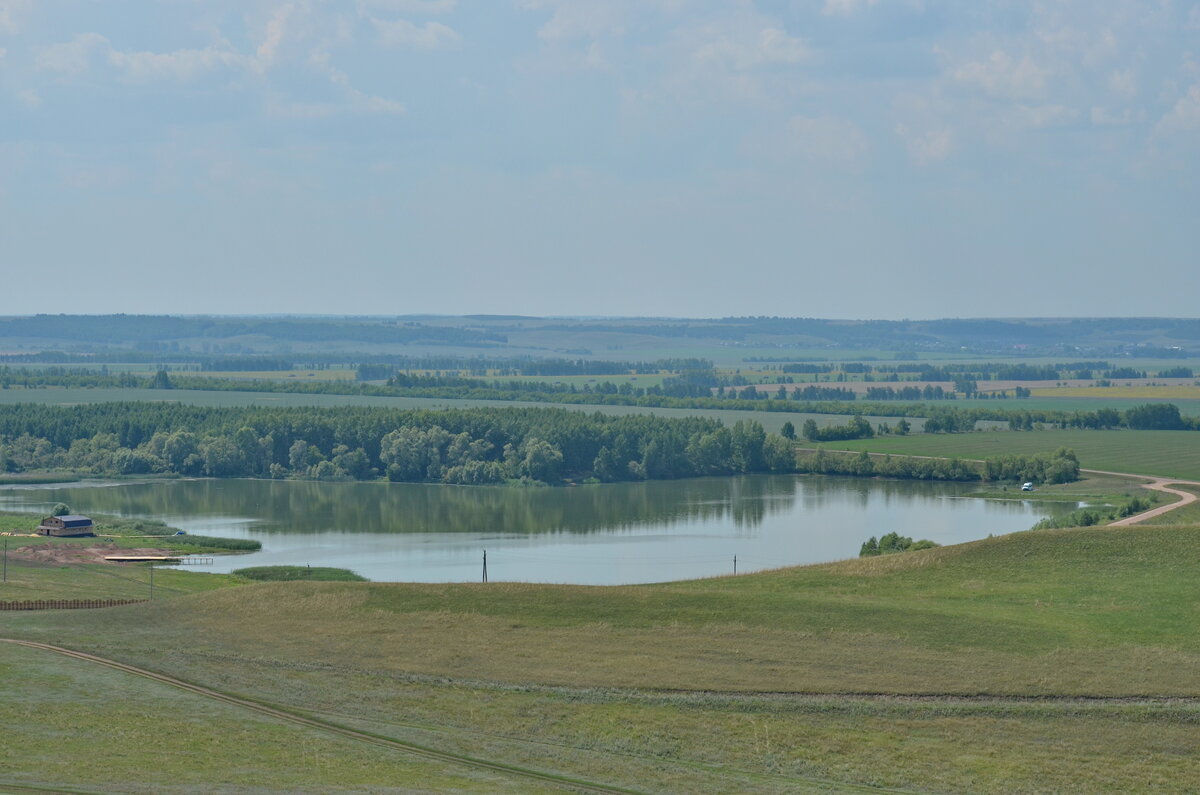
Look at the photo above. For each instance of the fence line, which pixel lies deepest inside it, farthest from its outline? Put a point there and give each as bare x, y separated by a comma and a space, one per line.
67, 604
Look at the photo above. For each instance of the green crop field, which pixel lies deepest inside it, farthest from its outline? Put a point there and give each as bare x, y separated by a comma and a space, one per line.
640, 380
1189, 408
771, 420
1043, 661
1163, 453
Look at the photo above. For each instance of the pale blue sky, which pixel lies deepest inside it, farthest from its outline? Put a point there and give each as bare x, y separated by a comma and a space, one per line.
833, 158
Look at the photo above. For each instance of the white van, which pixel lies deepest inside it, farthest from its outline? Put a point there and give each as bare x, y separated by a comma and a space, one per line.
1027, 486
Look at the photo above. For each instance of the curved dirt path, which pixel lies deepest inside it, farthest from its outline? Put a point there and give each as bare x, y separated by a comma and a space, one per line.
1154, 484
313, 723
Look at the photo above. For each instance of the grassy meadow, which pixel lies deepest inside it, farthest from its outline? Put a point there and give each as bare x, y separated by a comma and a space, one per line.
66, 742
1056, 660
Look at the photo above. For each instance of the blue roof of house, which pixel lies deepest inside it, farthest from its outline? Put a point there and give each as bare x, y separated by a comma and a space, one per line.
72, 520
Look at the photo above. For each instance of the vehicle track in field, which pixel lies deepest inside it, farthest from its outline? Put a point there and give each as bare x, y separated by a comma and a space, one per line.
565, 782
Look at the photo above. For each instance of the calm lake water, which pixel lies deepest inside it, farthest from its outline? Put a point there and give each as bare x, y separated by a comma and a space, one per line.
602, 535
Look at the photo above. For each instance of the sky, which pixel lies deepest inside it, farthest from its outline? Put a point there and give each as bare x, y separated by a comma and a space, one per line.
816, 158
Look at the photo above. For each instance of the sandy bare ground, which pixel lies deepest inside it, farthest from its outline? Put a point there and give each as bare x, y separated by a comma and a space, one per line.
63, 555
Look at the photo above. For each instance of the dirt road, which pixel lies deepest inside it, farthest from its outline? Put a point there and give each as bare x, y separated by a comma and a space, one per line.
1156, 484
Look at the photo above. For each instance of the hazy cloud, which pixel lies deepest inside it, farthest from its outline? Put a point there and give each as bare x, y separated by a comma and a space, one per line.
1001, 75
846, 7
12, 15
86, 49
1123, 83
176, 65
273, 36
402, 33
579, 19
827, 138
1184, 116
71, 57
426, 7
747, 49
926, 146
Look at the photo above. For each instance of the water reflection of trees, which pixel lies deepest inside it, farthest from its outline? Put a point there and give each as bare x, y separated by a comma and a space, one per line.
817, 492
297, 506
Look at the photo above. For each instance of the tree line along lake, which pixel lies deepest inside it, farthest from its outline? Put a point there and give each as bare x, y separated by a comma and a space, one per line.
609, 534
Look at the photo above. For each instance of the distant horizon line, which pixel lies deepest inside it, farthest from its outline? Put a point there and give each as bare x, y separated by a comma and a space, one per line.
676, 318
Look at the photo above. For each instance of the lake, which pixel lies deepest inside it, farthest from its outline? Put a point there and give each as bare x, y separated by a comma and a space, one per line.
601, 535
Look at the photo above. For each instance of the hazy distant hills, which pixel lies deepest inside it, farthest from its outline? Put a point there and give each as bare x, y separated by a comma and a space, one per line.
1164, 337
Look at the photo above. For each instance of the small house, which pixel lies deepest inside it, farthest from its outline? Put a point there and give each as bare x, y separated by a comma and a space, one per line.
66, 526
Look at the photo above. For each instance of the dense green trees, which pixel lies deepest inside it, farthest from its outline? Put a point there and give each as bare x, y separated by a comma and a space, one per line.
857, 428
468, 446
1061, 466
891, 543
1156, 417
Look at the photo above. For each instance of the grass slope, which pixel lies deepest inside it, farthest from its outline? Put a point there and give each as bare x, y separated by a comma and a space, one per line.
29, 580
951, 620
677, 687
128, 745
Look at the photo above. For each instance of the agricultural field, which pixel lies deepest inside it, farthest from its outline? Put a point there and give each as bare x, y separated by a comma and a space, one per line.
578, 381
328, 374
1039, 661
1174, 392
1055, 402
1164, 453
772, 421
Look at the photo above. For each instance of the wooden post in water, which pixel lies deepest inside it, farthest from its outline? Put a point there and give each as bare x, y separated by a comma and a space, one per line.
735, 564
485, 565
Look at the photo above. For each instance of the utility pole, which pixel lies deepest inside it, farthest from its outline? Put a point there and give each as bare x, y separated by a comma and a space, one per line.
485, 565
735, 564
152, 579
6, 559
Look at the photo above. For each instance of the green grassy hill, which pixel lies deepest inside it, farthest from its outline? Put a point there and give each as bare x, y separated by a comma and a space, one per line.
1051, 660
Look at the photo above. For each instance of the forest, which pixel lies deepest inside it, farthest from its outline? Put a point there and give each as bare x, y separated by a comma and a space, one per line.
467, 446
460, 446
